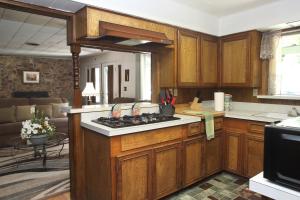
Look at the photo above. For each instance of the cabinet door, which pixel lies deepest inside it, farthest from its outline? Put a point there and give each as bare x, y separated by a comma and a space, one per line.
235, 68
213, 154
166, 170
209, 61
233, 152
134, 176
193, 160
187, 59
254, 154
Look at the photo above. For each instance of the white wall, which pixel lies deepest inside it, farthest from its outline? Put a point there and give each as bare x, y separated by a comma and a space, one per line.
127, 60
166, 11
279, 12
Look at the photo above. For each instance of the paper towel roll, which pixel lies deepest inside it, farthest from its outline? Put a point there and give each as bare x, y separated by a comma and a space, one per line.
219, 101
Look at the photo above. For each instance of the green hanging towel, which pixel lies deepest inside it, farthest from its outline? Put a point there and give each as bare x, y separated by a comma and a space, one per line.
209, 122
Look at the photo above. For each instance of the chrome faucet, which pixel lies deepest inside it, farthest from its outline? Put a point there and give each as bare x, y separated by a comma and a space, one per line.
294, 112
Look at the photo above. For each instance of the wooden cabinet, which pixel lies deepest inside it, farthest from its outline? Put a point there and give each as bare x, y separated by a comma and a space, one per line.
239, 59
193, 163
134, 176
213, 154
244, 146
233, 151
188, 58
166, 170
254, 154
208, 61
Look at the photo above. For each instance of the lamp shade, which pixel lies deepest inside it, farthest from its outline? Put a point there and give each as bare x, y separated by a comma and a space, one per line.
89, 90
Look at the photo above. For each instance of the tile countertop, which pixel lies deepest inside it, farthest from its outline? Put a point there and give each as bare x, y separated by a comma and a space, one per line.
238, 114
184, 119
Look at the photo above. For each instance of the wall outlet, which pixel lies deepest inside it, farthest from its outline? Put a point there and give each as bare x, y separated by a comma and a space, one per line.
255, 92
175, 92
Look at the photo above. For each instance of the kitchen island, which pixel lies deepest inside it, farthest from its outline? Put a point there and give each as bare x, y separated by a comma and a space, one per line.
148, 161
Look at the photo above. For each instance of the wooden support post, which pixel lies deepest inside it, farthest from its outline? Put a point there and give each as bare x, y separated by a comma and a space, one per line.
76, 155
77, 98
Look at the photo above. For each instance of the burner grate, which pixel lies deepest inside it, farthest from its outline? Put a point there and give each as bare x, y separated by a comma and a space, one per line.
126, 120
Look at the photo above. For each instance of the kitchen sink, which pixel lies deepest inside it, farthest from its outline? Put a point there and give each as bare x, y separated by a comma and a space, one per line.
273, 115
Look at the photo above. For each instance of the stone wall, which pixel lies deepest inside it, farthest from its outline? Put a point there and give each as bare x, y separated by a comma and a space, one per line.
56, 75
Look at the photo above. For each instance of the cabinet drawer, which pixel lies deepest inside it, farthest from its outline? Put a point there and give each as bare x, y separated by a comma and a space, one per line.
142, 139
195, 129
256, 127
218, 123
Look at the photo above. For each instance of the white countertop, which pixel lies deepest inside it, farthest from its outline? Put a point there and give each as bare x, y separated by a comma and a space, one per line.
256, 116
184, 119
107, 107
269, 189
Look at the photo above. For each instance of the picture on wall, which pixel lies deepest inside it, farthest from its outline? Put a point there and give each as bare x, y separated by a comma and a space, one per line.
31, 77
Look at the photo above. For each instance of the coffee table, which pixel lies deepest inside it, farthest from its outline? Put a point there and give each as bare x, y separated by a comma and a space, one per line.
40, 150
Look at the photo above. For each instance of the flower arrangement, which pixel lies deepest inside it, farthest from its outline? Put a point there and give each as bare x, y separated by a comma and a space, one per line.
38, 125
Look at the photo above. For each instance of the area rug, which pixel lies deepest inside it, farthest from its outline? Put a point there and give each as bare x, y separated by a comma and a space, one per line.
23, 177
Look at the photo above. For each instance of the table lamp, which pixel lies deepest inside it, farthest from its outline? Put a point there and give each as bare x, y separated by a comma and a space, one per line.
89, 91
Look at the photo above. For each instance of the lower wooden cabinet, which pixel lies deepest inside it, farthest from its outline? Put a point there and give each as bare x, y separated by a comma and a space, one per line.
193, 155
233, 152
254, 154
213, 154
166, 173
244, 147
134, 180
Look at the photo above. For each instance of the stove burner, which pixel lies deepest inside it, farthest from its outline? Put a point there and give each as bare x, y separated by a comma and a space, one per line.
125, 121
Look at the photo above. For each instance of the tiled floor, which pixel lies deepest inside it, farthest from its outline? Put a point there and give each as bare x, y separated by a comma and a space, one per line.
223, 186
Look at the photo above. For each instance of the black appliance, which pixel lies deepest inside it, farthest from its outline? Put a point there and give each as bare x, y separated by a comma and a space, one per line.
125, 121
282, 153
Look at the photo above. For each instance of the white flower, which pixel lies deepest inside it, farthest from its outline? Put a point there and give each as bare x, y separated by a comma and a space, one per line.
32, 109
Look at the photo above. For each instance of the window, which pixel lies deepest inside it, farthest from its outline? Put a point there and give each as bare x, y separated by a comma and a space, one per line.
145, 76
287, 80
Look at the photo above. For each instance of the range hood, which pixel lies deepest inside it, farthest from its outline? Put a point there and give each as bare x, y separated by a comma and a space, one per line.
129, 36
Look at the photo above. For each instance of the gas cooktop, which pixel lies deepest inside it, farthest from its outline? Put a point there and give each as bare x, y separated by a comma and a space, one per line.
125, 121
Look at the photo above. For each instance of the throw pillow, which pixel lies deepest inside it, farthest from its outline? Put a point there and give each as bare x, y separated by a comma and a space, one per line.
24, 112
8, 115
46, 109
58, 110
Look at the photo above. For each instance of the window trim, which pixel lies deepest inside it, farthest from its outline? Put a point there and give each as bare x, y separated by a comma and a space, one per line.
282, 97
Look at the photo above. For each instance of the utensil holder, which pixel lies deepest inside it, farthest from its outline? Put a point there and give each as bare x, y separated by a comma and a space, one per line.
167, 110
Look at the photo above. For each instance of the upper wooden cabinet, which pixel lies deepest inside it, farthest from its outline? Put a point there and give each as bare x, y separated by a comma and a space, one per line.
239, 59
197, 59
188, 58
208, 61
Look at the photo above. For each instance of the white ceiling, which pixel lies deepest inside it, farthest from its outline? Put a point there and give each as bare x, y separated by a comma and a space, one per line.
18, 28
224, 7
65, 5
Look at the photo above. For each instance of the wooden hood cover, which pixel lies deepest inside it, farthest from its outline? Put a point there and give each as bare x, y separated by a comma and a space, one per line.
129, 36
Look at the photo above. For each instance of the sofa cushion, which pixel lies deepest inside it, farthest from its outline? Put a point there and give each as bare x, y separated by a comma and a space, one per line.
8, 114
44, 101
24, 112
11, 129
57, 110
61, 124
7, 102
45, 109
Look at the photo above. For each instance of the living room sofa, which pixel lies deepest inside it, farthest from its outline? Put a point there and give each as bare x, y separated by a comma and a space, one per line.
11, 117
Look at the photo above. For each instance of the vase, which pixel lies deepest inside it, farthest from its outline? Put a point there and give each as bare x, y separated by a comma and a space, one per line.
38, 139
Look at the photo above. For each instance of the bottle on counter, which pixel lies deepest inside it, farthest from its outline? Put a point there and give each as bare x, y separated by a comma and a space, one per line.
227, 102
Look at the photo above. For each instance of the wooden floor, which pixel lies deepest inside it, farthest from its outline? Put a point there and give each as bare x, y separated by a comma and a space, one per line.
64, 196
